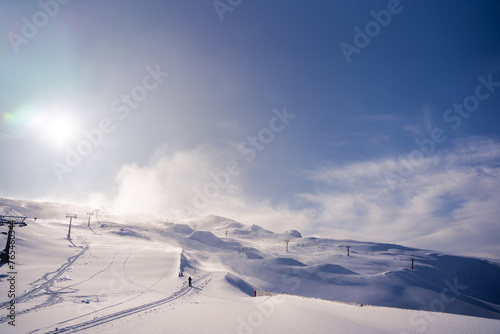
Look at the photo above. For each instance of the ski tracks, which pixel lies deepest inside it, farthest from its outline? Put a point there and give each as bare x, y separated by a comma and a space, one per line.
95, 274
45, 286
183, 293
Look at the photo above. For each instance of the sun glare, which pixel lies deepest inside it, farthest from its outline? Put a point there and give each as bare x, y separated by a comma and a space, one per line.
56, 128
60, 129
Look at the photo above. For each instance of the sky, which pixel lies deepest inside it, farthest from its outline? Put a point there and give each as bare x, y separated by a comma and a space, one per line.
368, 120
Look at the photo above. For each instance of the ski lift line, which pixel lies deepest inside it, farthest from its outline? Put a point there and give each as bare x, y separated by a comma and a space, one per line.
18, 220
416, 261
475, 276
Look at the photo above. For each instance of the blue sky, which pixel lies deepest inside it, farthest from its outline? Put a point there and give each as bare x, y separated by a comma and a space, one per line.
255, 110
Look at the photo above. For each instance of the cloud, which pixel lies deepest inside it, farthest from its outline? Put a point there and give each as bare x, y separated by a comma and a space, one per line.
450, 202
192, 183
170, 184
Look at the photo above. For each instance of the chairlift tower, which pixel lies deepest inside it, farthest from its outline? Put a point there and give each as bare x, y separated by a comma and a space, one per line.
347, 249
70, 216
286, 242
89, 214
11, 221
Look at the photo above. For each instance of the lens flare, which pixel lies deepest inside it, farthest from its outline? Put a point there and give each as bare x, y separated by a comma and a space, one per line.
19, 117
59, 129
55, 126
8, 117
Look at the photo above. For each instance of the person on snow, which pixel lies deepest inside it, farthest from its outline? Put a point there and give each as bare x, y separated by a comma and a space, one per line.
189, 280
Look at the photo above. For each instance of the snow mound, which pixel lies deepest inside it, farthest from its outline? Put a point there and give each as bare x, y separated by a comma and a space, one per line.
294, 234
129, 233
254, 230
253, 256
240, 284
285, 261
181, 228
187, 262
209, 239
332, 269
213, 222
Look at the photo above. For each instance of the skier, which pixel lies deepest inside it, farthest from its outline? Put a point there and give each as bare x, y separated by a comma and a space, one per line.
189, 280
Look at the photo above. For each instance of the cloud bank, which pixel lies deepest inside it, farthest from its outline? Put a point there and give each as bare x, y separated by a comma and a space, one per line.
449, 202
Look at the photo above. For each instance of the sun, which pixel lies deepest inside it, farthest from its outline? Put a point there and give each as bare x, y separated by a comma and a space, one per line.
60, 129
55, 127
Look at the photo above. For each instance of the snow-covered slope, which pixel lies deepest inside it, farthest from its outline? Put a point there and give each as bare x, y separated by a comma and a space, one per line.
123, 277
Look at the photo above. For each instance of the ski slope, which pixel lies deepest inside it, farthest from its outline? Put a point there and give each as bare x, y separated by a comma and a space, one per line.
122, 276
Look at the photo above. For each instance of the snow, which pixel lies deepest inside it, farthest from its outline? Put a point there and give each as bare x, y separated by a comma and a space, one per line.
122, 276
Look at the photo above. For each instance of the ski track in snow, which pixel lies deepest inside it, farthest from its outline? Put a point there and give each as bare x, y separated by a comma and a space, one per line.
94, 275
45, 287
50, 278
142, 286
183, 293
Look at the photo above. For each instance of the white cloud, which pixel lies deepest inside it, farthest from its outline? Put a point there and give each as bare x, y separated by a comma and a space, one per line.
168, 185
450, 201
183, 185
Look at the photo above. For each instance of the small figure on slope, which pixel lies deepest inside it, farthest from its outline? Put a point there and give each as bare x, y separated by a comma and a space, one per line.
189, 280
